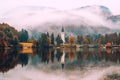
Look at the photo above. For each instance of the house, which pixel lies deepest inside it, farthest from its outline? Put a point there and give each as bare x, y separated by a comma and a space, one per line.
26, 44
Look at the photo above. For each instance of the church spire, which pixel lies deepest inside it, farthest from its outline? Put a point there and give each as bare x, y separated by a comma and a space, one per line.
62, 29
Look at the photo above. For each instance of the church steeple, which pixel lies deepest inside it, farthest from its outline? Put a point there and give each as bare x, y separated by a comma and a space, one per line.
62, 29
63, 35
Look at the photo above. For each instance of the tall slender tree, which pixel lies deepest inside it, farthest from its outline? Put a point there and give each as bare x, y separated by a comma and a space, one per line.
58, 40
23, 37
52, 39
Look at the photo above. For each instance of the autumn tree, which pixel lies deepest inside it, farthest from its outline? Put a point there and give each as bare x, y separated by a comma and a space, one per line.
7, 34
48, 41
79, 39
85, 41
15, 40
71, 40
2, 43
2, 34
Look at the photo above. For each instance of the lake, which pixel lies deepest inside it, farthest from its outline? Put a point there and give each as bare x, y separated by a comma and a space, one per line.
60, 64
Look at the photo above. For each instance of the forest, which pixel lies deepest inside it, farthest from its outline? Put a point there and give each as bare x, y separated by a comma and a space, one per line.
10, 37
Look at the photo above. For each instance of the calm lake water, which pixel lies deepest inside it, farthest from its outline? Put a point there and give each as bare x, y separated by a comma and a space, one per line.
60, 64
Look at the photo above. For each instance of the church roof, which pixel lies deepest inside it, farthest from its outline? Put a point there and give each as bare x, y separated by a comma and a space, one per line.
62, 29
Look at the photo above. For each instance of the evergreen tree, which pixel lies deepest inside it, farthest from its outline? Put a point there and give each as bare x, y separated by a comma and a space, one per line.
43, 39
47, 34
23, 37
66, 39
52, 39
58, 40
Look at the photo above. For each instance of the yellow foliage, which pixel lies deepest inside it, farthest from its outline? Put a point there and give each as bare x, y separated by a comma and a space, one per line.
71, 40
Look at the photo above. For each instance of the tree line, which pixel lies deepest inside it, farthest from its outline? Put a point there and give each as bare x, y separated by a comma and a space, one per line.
51, 40
9, 36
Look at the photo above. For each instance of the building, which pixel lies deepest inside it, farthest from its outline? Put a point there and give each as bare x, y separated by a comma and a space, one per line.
63, 35
26, 44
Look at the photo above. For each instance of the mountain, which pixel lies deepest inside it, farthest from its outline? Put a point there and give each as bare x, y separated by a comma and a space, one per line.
100, 10
114, 18
83, 20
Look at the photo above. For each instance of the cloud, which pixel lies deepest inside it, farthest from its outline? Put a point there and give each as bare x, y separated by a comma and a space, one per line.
60, 4
85, 20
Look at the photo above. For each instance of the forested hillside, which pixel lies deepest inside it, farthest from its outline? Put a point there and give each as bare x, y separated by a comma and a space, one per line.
8, 35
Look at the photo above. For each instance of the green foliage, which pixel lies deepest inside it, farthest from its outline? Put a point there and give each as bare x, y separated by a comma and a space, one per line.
2, 34
45, 40
10, 35
66, 39
47, 34
58, 40
52, 39
23, 37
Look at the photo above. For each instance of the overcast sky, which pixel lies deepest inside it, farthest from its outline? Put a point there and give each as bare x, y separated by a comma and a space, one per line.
113, 5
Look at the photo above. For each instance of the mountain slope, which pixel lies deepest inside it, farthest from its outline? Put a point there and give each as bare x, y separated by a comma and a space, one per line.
84, 20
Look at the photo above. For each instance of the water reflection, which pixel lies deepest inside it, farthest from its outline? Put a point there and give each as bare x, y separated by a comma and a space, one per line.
46, 54
8, 60
63, 59
67, 58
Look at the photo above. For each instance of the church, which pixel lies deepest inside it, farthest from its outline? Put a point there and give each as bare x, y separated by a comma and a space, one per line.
64, 44
63, 35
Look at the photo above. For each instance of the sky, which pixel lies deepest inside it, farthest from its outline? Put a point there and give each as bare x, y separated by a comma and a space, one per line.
6, 5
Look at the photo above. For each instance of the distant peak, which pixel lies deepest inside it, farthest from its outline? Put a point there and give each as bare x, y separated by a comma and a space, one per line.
95, 8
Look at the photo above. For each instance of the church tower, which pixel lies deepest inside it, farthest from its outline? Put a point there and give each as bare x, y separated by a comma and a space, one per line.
63, 35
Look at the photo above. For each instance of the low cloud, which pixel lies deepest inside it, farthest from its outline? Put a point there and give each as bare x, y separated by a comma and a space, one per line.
44, 18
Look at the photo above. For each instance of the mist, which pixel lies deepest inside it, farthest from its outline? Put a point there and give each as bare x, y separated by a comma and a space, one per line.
46, 19
44, 73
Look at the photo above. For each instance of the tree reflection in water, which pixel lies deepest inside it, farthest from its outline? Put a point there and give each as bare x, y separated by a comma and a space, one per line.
67, 58
10, 58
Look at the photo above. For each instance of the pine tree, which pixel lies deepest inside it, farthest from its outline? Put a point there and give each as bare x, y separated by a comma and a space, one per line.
58, 40
52, 39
